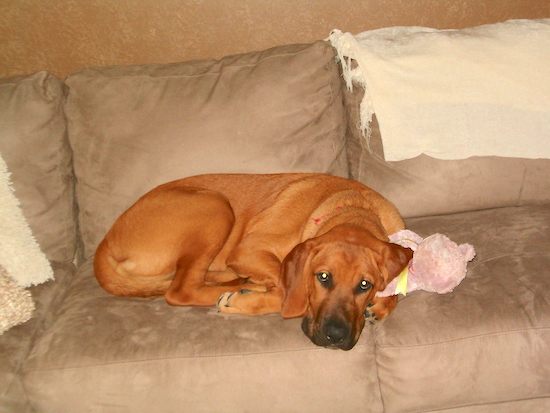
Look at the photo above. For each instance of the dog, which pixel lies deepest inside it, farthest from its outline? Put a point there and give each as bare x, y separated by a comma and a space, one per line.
303, 245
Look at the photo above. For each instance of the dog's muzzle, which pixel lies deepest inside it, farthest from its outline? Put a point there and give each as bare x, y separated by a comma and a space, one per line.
331, 333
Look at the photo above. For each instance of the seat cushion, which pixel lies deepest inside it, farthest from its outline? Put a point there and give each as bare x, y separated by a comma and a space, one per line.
16, 343
107, 353
488, 341
133, 128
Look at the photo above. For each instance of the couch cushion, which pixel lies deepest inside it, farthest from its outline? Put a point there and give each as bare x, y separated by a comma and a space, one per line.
33, 143
425, 186
16, 343
34, 146
133, 128
488, 341
134, 353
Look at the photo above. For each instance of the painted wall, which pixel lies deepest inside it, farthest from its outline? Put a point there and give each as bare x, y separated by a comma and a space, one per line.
64, 35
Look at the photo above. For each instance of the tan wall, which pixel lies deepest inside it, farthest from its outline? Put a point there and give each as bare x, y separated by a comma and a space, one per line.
64, 35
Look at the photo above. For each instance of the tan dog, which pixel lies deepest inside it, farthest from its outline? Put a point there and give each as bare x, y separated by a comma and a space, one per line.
304, 245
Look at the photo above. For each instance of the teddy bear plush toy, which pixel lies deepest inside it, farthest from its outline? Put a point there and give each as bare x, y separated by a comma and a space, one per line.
438, 264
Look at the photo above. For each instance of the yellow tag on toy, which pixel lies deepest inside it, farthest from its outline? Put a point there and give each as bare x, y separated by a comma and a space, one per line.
401, 287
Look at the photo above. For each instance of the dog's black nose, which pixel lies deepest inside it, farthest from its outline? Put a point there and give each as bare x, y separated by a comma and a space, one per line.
336, 332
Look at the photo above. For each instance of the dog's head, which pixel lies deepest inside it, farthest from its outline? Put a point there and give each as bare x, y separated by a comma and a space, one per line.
330, 279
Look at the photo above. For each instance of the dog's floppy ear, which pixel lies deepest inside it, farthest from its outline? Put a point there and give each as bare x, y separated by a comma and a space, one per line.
294, 283
394, 260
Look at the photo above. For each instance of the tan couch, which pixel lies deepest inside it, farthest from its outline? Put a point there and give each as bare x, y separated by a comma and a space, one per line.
82, 150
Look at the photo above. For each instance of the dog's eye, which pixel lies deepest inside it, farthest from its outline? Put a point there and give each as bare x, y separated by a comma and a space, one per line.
363, 286
325, 278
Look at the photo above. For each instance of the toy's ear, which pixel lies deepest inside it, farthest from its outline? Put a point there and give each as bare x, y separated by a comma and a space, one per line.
468, 251
394, 260
294, 282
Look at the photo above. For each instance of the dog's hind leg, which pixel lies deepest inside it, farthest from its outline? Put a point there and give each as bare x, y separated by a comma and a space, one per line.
207, 232
164, 245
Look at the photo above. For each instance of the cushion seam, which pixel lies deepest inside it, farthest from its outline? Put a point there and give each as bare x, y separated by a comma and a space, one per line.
30, 78
198, 357
495, 404
217, 73
515, 254
457, 340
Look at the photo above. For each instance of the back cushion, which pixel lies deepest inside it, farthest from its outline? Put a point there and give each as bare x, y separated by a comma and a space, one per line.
133, 128
33, 143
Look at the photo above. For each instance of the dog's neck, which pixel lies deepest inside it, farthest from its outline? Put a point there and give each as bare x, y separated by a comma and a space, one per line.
342, 211
354, 216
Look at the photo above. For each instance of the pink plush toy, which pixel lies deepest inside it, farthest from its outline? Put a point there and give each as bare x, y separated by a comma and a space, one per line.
438, 264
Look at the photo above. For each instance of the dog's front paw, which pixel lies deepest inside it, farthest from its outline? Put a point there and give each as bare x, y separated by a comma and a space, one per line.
380, 308
370, 314
252, 299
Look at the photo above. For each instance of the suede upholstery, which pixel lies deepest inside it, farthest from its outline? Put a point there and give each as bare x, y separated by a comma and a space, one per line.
274, 111
31, 116
83, 150
16, 344
151, 351
494, 326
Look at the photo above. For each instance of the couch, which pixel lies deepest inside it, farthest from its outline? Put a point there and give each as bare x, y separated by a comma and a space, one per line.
81, 150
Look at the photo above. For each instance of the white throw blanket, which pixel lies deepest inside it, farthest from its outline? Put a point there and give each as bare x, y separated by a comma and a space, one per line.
20, 254
452, 94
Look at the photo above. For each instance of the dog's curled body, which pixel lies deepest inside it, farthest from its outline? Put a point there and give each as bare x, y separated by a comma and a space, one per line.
305, 245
